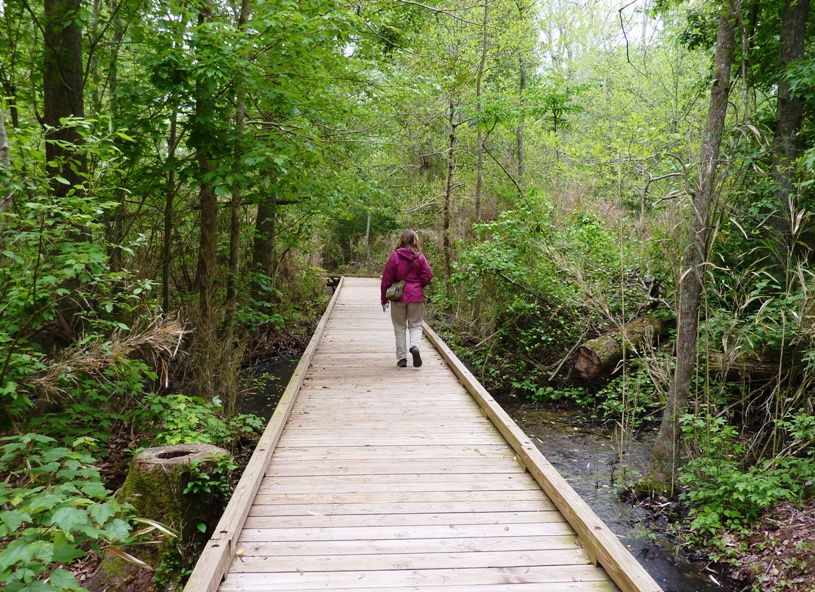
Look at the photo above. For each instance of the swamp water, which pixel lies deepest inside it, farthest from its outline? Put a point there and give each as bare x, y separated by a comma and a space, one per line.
587, 458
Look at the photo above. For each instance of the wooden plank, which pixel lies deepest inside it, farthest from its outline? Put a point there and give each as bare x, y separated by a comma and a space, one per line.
405, 532
536, 587
336, 497
318, 520
292, 467
449, 545
371, 508
395, 453
598, 539
410, 578
211, 566
409, 561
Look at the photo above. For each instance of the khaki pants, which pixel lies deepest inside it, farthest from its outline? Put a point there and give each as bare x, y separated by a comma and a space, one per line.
407, 317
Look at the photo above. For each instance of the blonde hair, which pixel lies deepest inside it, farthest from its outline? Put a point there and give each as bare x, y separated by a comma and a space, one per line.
409, 240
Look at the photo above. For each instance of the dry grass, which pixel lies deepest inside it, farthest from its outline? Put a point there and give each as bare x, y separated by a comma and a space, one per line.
156, 344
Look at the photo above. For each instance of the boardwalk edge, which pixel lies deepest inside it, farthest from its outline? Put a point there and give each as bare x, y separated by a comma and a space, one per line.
221, 548
595, 536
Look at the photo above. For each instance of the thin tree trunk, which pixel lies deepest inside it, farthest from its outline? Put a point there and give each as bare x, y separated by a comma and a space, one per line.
63, 87
114, 231
789, 116
208, 224
519, 132
263, 248
5, 164
479, 179
661, 474
169, 195
368, 241
447, 247
235, 204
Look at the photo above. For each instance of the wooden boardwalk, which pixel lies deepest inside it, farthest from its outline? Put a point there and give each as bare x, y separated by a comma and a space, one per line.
372, 477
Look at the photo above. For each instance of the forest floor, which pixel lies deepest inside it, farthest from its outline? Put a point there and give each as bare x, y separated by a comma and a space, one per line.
779, 552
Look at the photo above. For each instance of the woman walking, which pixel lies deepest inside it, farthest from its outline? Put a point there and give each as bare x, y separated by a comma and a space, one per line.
407, 263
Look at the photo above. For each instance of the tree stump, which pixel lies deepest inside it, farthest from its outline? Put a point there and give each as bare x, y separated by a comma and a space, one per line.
603, 353
155, 487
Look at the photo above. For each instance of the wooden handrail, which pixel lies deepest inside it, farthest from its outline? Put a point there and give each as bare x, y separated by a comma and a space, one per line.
221, 548
595, 536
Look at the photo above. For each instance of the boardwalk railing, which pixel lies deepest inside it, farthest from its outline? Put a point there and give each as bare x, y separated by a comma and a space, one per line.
377, 469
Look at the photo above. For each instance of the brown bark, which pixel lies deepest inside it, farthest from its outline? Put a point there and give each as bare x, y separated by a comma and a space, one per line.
602, 354
447, 245
235, 203
263, 248
207, 347
169, 197
479, 178
519, 132
789, 117
5, 165
665, 459
63, 87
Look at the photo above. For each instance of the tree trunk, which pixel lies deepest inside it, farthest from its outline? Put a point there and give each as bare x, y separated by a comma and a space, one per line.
63, 87
235, 204
155, 487
479, 178
5, 168
447, 246
368, 242
519, 132
169, 196
661, 473
789, 116
604, 353
207, 348
263, 248
114, 222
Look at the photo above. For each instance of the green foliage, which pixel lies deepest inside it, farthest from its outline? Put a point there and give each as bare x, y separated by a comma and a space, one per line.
213, 480
55, 506
179, 419
725, 492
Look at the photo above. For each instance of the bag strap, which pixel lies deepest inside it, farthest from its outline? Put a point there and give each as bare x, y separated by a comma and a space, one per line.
409, 268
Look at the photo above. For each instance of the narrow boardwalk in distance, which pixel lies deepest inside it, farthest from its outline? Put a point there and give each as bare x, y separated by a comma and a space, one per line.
387, 478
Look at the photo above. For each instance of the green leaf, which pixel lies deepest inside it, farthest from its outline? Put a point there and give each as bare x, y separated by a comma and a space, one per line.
102, 512
45, 502
67, 552
94, 489
55, 454
18, 551
118, 530
67, 519
202, 527
62, 578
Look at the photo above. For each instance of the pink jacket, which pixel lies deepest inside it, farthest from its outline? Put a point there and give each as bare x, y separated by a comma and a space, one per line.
395, 269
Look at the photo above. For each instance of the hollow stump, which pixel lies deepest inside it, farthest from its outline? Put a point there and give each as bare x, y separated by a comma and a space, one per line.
155, 487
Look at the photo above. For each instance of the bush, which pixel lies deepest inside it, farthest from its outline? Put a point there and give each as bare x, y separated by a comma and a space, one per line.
55, 510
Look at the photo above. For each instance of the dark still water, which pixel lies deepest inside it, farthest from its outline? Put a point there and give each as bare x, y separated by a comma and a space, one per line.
587, 459
264, 385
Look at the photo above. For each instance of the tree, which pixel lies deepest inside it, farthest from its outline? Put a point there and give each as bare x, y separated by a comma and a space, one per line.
63, 95
665, 459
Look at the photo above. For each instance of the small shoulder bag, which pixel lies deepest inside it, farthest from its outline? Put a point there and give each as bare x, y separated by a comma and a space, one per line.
394, 291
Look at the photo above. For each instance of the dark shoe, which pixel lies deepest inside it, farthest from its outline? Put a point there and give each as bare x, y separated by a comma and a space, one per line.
402, 363
417, 359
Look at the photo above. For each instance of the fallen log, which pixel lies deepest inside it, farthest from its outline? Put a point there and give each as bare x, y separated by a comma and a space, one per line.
603, 353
